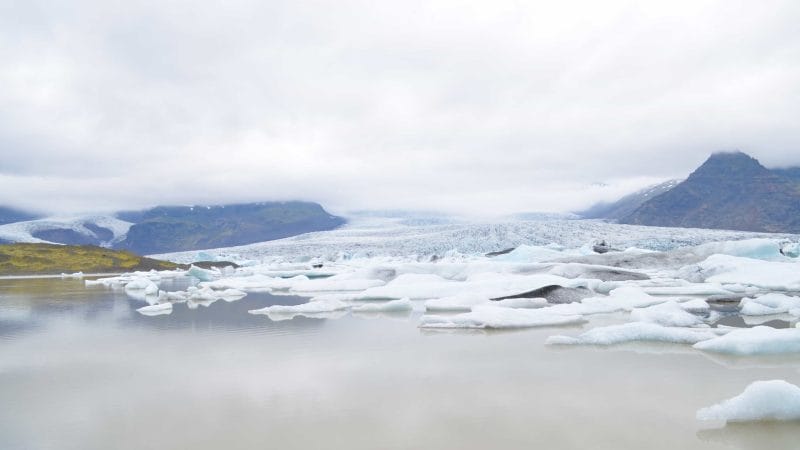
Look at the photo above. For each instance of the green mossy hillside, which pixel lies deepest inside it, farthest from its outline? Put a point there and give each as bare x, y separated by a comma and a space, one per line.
49, 259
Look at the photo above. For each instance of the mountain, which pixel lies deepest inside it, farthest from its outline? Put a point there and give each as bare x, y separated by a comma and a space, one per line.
176, 228
11, 215
628, 204
729, 191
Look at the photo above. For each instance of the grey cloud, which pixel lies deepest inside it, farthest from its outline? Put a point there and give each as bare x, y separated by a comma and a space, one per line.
475, 107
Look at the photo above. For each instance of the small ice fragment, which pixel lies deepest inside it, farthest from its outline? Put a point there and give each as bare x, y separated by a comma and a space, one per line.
156, 310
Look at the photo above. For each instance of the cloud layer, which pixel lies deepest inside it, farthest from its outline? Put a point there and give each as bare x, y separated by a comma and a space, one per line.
471, 107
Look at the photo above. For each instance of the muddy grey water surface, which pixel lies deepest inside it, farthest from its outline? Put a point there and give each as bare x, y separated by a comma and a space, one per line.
81, 369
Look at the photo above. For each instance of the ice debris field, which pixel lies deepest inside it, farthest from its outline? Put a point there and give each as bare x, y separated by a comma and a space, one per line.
727, 294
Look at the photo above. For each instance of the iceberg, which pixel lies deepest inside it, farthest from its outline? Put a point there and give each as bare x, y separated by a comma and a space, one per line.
401, 305
761, 401
668, 314
779, 276
487, 316
761, 340
319, 306
202, 274
767, 304
633, 332
156, 310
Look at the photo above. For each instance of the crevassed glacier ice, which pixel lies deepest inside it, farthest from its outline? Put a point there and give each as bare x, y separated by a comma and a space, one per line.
760, 401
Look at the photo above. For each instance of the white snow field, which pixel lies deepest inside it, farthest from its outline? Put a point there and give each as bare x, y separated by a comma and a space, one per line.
657, 285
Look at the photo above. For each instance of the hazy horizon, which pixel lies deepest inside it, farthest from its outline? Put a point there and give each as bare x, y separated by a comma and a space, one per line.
465, 108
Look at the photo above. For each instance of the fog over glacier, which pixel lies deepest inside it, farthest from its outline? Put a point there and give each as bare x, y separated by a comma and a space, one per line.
466, 107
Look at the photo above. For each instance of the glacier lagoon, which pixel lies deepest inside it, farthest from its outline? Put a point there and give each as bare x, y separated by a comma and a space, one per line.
394, 349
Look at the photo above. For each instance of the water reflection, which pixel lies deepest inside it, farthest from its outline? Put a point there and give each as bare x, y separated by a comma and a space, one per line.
30, 305
755, 436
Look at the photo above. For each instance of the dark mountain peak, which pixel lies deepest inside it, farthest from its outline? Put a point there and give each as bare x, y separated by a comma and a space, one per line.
730, 191
730, 164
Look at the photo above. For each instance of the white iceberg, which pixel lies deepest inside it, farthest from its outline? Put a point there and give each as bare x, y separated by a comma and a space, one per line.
319, 306
760, 340
767, 304
156, 310
761, 401
487, 316
634, 332
780, 276
668, 314
401, 305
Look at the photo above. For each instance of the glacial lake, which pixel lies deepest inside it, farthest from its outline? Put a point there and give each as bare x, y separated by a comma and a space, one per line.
81, 369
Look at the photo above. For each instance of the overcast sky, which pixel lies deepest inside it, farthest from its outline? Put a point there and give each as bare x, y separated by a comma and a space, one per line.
485, 107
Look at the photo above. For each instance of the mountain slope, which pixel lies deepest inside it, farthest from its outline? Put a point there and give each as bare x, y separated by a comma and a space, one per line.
729, 191
177, 228
11, 215
628, 204
30, 259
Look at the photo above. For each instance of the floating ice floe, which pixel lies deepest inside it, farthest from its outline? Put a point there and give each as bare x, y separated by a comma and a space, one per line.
401, 305
759, 340
634, 332
761, 401
318, 306
487, 316
156, 310
521, 302
621, 299
725, 269
202, 296
695, 305
688, 289
772, 303
202, 274
74, 276
669, 314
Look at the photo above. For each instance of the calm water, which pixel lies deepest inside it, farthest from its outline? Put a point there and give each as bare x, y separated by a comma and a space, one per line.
81, 369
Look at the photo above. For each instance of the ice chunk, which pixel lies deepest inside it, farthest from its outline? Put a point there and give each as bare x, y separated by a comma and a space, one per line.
487, 316
632, 332
781, 276
335, 284
696, 305
669, 314
760, 340
75, 276
522, 302
202, 274
318, 306
401, 305
760, 401
689, 289
460, 302
772, 303
156, 310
